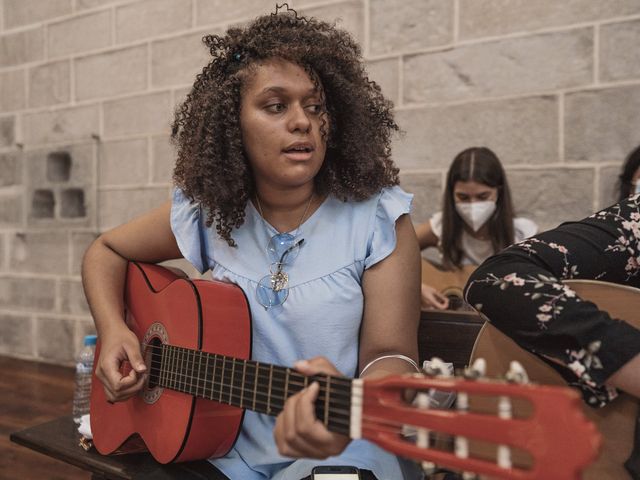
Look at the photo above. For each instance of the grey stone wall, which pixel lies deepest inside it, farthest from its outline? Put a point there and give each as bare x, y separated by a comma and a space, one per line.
88, 87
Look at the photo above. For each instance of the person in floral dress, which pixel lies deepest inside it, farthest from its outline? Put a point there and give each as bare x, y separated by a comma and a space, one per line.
521, 292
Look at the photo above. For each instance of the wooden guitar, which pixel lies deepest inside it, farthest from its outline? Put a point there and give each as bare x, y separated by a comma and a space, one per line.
617, 420
449, 283
193, 402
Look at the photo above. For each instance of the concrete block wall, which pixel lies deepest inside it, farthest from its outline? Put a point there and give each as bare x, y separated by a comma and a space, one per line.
88, 89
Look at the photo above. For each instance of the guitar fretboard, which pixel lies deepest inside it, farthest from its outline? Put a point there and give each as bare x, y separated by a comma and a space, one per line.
248, 384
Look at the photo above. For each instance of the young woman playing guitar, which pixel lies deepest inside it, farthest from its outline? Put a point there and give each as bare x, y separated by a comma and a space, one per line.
284, 187
477, 220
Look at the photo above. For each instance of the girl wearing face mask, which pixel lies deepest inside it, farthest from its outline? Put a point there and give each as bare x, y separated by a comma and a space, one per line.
629, 179
477, 218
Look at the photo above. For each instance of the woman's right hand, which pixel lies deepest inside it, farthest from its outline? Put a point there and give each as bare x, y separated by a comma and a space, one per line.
432, 298
116, 347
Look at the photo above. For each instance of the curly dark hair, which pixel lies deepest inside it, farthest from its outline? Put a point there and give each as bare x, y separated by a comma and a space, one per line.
212, 168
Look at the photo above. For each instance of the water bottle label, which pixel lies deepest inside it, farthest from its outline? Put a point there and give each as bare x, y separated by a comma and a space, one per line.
83, 368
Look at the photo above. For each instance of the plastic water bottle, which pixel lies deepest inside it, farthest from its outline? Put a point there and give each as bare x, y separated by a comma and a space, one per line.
84, 367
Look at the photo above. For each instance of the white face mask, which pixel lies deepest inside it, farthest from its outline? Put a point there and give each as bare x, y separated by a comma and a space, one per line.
476, 214
636, 187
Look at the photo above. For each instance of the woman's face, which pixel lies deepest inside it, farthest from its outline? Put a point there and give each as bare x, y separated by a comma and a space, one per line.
472, 191
280, 119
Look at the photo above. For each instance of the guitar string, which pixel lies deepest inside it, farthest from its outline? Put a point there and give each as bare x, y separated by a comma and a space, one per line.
336, 420
181, 380
382, 425
242, 397
184, 377
260, 403
191, 354
232, 393
235, 396
178, 380
335, 407
295, 378
232, 390
343, 380
193, 358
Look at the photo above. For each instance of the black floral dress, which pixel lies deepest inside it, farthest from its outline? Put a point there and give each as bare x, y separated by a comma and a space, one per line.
521, 291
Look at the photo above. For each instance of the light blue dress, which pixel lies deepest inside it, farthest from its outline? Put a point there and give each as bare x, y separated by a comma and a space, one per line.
321, 316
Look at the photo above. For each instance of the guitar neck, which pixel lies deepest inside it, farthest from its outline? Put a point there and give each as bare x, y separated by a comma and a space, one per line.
247, 384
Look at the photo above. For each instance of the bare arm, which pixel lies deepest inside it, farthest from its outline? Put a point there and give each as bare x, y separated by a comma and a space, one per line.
426, 237
627, 378
431, 298
392, 306
147, 238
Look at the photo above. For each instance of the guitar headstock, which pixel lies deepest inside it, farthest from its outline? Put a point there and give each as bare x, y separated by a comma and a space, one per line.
500, 428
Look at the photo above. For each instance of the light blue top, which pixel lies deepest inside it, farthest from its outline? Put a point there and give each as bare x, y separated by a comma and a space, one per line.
321, 316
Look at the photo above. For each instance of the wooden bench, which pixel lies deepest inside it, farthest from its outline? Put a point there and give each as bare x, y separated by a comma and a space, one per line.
59, 439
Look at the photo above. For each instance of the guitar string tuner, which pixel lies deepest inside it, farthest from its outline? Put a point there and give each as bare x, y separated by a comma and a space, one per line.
516, 373
436, 367
477, 370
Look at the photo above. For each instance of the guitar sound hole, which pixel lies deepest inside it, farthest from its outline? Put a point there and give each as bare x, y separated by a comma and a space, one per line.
456, 302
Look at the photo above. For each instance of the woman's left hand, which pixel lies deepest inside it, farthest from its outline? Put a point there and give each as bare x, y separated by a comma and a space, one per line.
298, 433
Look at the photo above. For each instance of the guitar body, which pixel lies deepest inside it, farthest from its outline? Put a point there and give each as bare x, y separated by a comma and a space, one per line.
175, 426
448, 282
616, 421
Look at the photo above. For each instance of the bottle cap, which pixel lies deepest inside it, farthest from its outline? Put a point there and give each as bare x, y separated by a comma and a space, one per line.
90, 340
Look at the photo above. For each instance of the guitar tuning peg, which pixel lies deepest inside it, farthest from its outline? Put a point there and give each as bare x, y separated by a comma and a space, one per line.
477, 370
437, 367
517, 373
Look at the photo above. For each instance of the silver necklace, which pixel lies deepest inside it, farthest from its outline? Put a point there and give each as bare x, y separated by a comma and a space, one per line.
304, 214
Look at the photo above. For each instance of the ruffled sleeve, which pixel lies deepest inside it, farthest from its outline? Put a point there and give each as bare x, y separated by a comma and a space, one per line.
189, 229
392, 203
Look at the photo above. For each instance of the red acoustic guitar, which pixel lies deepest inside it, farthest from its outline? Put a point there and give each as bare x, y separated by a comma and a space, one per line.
192, 405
